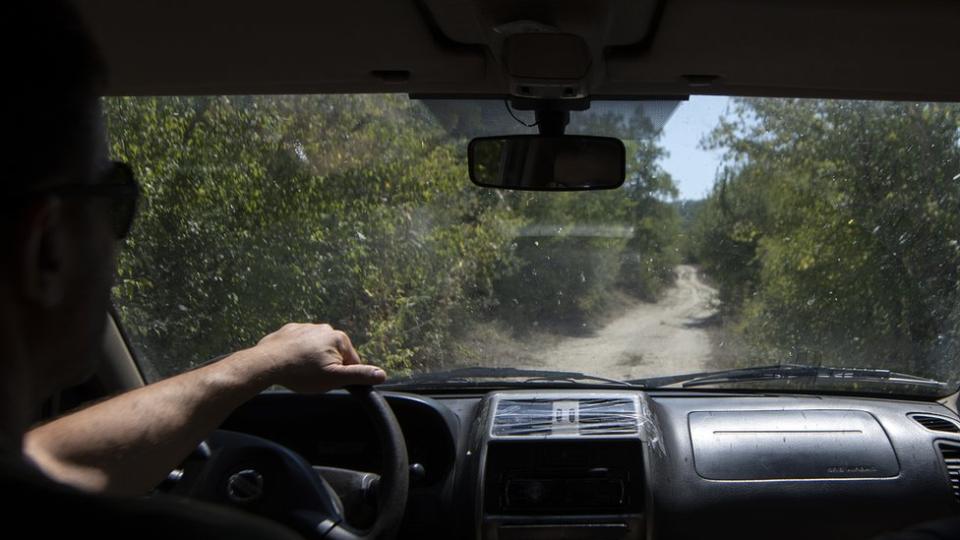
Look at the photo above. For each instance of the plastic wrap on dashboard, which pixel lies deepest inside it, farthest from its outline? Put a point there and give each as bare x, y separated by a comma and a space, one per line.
576, 415
649, 426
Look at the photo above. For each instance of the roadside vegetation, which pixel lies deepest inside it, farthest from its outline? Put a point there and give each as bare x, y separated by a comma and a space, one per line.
357, 210
832, 234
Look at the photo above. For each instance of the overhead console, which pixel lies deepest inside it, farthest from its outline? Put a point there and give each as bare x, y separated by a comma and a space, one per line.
563, 465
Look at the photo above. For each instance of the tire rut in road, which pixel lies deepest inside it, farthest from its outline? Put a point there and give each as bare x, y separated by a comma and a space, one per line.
650, 339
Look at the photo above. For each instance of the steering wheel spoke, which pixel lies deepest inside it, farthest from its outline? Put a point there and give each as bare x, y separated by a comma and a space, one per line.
265, 478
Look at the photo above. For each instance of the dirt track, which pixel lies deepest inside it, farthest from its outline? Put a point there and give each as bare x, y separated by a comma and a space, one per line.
648, 340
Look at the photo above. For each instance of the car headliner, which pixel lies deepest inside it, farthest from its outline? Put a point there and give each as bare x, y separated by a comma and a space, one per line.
885, 49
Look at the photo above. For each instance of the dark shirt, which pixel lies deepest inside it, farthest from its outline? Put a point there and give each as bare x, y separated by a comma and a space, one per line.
36, 507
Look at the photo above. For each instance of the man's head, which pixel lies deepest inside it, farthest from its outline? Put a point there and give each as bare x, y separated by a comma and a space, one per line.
57, 264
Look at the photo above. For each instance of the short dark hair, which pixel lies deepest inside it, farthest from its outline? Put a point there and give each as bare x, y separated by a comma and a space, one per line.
56, 74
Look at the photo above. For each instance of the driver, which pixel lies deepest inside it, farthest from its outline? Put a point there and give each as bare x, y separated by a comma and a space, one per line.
65, 208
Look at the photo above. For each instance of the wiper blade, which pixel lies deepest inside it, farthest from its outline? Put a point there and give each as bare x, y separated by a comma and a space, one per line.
472, 374
790, 371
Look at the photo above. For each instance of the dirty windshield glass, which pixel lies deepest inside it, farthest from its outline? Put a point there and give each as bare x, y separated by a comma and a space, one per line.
749, 232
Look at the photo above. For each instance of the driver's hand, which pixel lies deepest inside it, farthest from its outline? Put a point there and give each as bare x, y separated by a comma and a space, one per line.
312, 358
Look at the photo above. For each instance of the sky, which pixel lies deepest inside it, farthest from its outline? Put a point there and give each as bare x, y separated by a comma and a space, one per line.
692, 168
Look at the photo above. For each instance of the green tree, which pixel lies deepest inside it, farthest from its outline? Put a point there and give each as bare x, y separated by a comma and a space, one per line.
833, 231
264, 210
575, 249
355, 210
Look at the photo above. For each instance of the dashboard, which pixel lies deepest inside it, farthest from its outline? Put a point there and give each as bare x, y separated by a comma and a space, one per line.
613, 464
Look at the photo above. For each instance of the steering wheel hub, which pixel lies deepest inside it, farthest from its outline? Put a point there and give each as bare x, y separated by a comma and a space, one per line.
265, 478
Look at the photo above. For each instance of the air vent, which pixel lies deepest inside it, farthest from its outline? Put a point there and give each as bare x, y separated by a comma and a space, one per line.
951, 458
607, 416
936, 423
523, 418
589, 417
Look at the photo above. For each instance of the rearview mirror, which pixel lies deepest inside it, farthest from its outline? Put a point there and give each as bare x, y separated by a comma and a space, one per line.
547, 163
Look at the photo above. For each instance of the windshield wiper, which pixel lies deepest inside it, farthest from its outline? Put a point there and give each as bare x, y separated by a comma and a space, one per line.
474, 374
789, 371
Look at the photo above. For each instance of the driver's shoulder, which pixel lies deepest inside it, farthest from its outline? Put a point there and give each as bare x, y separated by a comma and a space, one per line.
40, 507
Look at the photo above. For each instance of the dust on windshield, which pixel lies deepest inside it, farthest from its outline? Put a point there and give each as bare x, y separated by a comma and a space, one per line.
817, 232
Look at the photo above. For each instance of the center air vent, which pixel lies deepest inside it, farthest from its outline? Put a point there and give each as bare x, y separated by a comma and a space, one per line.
607, 416
936, 423
585, 417
951, 458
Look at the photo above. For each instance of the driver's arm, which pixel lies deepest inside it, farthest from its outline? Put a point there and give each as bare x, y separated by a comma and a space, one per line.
128, 444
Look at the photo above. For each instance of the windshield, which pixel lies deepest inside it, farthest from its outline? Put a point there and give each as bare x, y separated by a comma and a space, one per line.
749, 232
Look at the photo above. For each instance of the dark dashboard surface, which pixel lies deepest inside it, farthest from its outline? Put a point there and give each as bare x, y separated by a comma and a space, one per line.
630, 464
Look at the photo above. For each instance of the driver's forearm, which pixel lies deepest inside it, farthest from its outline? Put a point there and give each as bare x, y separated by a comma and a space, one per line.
127, 444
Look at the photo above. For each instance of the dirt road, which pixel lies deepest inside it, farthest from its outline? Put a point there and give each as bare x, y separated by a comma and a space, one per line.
648, 340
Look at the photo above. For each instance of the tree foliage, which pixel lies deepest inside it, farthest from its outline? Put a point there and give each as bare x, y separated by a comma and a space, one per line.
355, 210
583, 245
833, 232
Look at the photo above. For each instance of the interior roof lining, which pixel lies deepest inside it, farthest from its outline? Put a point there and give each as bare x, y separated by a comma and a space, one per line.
883, 49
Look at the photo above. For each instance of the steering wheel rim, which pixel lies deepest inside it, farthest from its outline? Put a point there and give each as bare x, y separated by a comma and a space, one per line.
395, 476
292, 492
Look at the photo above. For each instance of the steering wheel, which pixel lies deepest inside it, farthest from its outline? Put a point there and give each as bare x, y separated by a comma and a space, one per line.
265, 478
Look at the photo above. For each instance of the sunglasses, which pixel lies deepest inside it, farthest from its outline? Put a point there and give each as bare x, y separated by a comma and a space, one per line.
116, 184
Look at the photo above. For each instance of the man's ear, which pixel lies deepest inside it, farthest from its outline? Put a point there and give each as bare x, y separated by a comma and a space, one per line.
43, 254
